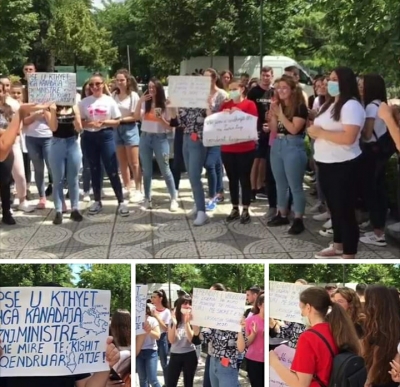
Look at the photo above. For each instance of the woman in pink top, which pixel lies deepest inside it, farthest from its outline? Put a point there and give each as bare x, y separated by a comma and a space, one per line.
254, 341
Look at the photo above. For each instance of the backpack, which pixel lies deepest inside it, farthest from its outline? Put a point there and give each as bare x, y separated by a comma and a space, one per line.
348, 369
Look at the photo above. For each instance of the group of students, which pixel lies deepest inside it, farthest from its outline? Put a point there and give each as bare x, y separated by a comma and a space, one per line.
363, 325
171, 336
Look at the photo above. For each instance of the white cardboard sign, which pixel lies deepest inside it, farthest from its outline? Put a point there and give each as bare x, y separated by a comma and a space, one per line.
189, 91
286, 356
141, 303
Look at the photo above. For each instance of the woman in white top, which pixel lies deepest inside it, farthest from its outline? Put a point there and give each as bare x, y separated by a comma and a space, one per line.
126, 135
152, 110
374, 159
337, 132
100, 114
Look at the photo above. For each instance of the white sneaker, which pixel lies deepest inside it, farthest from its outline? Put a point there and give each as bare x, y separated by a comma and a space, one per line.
25, 207
329, 252
125, 193
174, 206
15, 204
316, 208
201, 219
95, 208
327, 224
86, 197
135, 196
147, 204
373, 239
123, 210
193, 211
322, 217
326, 232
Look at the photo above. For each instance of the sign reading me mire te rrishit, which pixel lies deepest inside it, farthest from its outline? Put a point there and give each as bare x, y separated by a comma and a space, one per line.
46, 331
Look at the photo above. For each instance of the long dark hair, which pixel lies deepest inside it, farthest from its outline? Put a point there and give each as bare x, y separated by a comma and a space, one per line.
5, 109
343, 330
161, 293
121, 328
178, 311
374, 89
348, 89
258, 303
160, 100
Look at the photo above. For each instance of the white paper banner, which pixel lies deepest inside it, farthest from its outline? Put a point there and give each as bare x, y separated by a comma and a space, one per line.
53, 331
284, 301
229, 128
141, 303
217, 309
286, 355
52, 87
189, 91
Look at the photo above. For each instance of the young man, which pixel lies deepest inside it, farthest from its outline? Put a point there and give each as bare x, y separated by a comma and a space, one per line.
294, 72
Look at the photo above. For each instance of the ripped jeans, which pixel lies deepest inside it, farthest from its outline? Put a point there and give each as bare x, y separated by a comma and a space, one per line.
158, 144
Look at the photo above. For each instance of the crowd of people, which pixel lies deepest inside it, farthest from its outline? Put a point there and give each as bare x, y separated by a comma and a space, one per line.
171, 337
364, 323
352, 130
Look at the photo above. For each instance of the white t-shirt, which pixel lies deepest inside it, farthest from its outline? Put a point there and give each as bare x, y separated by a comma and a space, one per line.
39, 129
150, 343
352, 113
13, 103
127, 106
379, 125
99, 109
165, 316
78, 98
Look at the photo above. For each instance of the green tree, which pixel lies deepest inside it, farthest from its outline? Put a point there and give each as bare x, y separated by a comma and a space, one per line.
18, 28
35, 274
74, 38
113, 277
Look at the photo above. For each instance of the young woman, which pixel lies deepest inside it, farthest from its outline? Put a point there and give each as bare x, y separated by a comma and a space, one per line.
163, 316
152, 110
337, 131
120, 329
288, 154
313, 362
65, 158
100, 115
127, 133
183, 353
226, 77
238, 158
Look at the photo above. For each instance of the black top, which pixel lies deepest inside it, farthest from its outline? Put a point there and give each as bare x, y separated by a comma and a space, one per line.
262, 99
301, 112
42, 381
66, 127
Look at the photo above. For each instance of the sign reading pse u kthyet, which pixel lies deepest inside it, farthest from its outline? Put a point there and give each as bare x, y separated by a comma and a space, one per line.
53, 331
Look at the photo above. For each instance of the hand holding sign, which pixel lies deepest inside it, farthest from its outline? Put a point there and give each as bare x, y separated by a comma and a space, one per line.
112, 352
147, 327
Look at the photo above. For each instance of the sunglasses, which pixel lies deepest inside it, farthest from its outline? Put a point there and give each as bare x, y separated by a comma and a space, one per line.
96, 84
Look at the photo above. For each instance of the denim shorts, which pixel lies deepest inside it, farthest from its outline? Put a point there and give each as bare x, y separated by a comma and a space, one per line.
127, 135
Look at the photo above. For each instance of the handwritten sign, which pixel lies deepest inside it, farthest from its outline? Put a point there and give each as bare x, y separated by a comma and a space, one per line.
141, 302
286, 356
189, 91
218, 310
229, 128
53, 331
284, 301
52, 87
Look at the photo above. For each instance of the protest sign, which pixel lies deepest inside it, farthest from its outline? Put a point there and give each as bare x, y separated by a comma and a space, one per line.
141, 302
227, 128
59, 88
189, 91
284, 301
53, 331
216, 309
286, 355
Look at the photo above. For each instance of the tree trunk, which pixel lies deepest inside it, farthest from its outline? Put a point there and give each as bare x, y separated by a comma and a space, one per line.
231, 56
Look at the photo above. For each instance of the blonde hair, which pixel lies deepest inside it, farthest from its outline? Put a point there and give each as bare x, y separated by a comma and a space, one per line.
296, 98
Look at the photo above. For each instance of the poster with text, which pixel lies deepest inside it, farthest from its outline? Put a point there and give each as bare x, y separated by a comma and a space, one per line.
189, 91
284, 299
227, 128
218, 310
46, 331
59, 88
141, 303
285, 355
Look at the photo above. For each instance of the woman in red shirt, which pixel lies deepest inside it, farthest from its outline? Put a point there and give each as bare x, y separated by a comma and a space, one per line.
313, 361
238, 158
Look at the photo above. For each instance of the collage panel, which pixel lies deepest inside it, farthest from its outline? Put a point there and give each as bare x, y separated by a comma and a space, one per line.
65, 325
200, 325
334, 325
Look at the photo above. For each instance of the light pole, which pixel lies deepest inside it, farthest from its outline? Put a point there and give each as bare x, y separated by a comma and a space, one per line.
261, 33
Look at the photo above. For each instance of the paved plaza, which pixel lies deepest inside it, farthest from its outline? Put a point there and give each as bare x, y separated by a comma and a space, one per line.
161, 234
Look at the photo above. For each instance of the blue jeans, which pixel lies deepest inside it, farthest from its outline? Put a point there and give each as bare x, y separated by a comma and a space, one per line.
100, 146
213, 166
86, 176
65, 157
206, 379
146, 367
38, 150
194, 155
127, 134
163, 353
221, 376
288, 163
158, 144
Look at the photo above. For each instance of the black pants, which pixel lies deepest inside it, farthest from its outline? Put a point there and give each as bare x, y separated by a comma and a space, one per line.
178, 163
373, 170
238, 169
255, 370
178, 362
270, 180
5, 183
339, 185
27, 167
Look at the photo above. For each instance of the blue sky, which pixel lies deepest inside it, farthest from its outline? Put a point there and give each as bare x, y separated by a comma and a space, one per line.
76, 270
